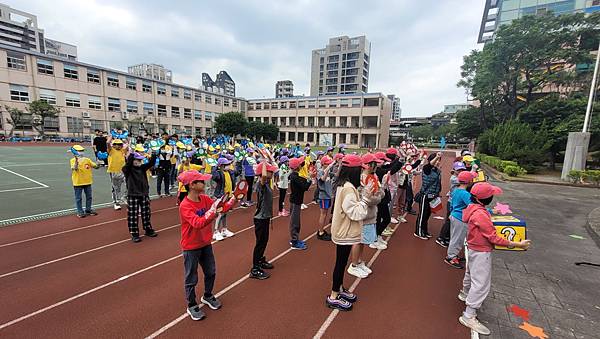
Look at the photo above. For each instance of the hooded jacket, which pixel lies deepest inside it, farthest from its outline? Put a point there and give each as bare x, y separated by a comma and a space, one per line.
481, 235
349, 211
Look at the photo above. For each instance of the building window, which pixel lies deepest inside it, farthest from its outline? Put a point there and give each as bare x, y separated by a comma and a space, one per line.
354, 139
160, 89
321, 122
234, 104
45, 67
369, 122
354, 122
16, 60
311, 121
342, 138
371, 102
197, 115
130, 83
74, 125
176, 128
356, 102
208, 116
322, 103
300, 136
175, 92
301, 121
344, 102
258, 106
175, 112
291, 136
292, 104
19, 93
226, 102
114, 105
266, 105
148, 108
147, 87
217, 101
332, 103
162, 110
187, 113
132, 106
293, 121
197, 96
94, 102
48, 96
311, 103
112, 80
71, 72
97, 124
310, 137
208, 99
93, 76
343, 122
187, 94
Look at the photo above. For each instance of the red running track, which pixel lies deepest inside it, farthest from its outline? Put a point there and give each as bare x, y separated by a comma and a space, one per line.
93, 281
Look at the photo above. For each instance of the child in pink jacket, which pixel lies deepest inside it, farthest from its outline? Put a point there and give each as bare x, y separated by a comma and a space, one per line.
481, 238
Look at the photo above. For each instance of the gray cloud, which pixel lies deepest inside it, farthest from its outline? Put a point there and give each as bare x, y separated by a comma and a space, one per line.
417, 46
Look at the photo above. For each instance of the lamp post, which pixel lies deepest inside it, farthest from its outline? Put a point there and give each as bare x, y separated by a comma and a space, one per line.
579, 142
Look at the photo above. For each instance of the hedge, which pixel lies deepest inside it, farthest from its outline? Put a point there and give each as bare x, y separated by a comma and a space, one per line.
509, 167
587, 176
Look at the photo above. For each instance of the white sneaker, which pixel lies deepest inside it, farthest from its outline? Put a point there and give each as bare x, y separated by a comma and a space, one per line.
403, 220
394, 221
218, 236
303, 207
227, 233
357, 272
364, 267
474, 324
378, 246
381, 240
117, 207
462, 296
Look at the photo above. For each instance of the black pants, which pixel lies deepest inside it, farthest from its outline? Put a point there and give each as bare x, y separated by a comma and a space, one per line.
342, 253
261, 230
282, 192
163, 175
203, 256
250, 181
383, 214
445, 231
423, 217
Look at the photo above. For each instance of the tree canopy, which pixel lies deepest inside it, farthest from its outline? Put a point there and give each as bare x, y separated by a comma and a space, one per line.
232, 123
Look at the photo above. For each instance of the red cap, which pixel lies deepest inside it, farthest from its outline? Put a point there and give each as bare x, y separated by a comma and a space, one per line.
295, 163
392, 150
190, 176
381, 156
351, 160
484, 190
270, 168
326, 161
466, 177
369, 158
338, 156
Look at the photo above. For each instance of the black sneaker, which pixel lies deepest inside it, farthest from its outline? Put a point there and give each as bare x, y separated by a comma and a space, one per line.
196, 313
429, 235
151, 233
211, 302
348, 296
454, 262
92, 212
265, 265
420, 236
136, 238
462, 259
338, 303
441, 242
257, 273
324, 236
81, 215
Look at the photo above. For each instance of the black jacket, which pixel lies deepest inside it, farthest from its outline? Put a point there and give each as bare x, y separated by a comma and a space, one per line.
136, 178
298, 186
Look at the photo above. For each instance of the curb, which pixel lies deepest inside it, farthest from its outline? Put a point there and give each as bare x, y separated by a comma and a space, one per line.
501, 177
592, 225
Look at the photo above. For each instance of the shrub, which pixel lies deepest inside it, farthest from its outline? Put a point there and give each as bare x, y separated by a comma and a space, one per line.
514, 170
591, 176
575, 176
502, 164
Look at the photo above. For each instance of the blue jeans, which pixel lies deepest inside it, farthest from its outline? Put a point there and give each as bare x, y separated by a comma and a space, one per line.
79, 190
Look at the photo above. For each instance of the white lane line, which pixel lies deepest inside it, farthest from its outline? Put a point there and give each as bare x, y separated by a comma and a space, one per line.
22, 189
77, 229
36, 164
474, 335
220, 293
74, 255
24, 177
335, 312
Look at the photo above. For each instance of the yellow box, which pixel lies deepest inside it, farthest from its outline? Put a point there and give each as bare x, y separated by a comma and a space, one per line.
480, 176
510, 228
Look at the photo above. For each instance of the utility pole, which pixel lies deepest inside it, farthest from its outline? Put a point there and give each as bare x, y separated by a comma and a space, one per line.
588, 111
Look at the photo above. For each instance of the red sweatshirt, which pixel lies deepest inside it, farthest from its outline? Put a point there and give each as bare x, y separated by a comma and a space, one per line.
482, 235
196, 230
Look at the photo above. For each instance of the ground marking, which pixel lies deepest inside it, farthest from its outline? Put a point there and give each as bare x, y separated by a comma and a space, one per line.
24, 177
36, 164
22, 189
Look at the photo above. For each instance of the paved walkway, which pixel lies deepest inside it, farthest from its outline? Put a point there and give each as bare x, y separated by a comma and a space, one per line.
561, 297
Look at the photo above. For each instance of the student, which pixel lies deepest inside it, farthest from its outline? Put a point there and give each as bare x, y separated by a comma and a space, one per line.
99, 144
443, 238
386, 167
81, 176
349, 211
324, 194
117, 153
392, 184
223, 187
461, 198
138, 195
175, 161
357, 267
430, 189
196, 213
262, 220
481, 239
298, 185
248, 170
283, 183
163, 171
185, 166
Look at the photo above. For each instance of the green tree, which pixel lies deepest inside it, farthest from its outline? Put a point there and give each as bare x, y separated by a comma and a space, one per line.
421, 132
232, 123
261, 130
17, 119
41, 111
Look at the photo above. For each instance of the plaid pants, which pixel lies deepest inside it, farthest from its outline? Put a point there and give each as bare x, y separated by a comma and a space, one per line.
133, 204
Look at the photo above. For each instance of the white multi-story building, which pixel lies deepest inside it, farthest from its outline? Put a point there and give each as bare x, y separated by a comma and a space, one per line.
284, 89
396, 109
151, 71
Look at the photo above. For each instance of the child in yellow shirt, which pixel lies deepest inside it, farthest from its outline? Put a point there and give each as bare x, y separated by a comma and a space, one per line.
81, 176
117, 152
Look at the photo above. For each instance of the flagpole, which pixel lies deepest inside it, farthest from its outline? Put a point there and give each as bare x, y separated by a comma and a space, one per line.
588, 112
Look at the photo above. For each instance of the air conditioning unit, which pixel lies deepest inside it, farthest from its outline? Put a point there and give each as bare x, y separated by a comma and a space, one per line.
87, 123
124, 115
86, 115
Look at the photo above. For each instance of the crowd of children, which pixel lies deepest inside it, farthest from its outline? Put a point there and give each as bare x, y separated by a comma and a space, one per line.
362, 194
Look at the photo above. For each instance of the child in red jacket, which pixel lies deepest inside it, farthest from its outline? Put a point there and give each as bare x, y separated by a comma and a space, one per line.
197, 212
481, 238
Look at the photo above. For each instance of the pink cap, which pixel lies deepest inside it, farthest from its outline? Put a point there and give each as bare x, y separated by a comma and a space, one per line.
295, 163
369, 158
351, 160
270, 168
392, 150
381, 156
326, 161
466, 177
338, 156
484, 190
190, 176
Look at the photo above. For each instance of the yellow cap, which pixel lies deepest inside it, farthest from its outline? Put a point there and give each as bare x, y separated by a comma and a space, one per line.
468, 158
117, 142
180, 144
237, 145
139, 148
211, 149
78, 148
218, 147
188, 147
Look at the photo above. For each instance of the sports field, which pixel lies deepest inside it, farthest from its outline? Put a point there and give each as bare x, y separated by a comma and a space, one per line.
35, 182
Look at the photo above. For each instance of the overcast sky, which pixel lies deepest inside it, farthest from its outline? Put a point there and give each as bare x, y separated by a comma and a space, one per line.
417, 46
